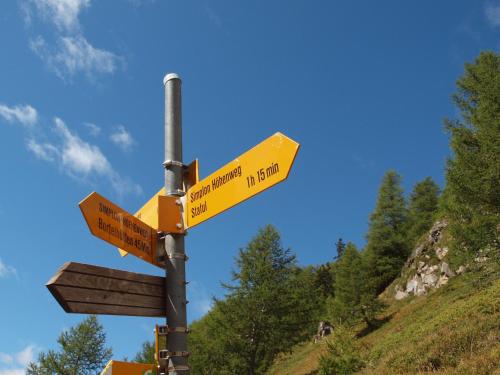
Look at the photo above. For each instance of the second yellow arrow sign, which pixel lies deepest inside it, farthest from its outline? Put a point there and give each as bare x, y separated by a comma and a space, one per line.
256, 170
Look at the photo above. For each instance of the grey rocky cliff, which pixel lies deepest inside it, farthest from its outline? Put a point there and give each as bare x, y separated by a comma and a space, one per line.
426, 268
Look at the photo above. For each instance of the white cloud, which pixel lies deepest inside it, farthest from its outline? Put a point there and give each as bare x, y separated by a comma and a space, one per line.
22, 358
73, 55
6, 270
63, 13
18, 371
493, 14
25, 356
81, 160
24, 114
44, 151
78, 156
122, 138
94, 130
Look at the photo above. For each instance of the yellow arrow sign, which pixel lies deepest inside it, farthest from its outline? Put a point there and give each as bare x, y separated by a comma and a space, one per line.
150, 212
256, 170
128, 368
113, 224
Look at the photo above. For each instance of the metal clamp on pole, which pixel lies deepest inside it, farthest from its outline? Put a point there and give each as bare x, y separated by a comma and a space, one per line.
166, 354
163, 330
175, 163
177, 256
176, 192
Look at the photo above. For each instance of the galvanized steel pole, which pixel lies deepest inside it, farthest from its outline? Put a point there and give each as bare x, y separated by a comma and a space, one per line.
175, 256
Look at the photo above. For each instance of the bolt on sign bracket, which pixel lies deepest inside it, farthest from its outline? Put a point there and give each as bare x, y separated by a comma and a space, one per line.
170, 214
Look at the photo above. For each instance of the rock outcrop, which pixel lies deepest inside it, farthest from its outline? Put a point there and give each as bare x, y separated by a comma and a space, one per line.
426, 268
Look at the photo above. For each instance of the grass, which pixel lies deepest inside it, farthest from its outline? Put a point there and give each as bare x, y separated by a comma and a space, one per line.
453, 330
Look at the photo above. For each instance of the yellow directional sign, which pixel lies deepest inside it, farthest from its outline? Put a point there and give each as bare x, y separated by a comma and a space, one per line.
256, 170
118, 227
129, 368
148, 214
167, 219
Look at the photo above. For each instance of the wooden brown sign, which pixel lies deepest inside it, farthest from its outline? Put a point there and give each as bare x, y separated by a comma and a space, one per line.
82, 288
118, 227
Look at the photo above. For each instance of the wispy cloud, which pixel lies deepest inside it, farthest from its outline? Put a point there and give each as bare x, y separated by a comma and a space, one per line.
16, 363
6, 271
62, 13
77, 158
73, 55
24, 114
122, 138
492, 12
44, 151
27, 355
93, 129
80, 159
212, 16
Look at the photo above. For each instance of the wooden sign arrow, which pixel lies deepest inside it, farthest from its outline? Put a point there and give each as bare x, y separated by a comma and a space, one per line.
256, 170
86, 289
118, 227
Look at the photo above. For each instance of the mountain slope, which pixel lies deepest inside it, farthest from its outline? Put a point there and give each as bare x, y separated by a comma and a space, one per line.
454, 329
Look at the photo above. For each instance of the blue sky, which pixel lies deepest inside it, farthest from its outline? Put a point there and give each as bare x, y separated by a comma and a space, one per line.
363, 86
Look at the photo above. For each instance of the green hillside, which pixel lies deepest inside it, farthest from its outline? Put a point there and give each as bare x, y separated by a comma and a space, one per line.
452, 330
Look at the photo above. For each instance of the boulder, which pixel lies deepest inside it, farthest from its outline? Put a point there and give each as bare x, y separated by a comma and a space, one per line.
430, 280
400, 294
441, 252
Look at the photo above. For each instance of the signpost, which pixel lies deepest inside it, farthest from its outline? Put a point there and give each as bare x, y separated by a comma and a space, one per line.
86, 289
156, 234
256, 170
113, 224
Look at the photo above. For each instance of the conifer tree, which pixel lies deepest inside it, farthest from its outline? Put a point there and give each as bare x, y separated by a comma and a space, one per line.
422, 208
345, 304
387, 247
267, 310
340, 246
324, 280
473, 173
83, 352
146, 354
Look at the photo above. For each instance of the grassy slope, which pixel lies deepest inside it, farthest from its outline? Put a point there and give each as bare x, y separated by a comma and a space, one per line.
453, 330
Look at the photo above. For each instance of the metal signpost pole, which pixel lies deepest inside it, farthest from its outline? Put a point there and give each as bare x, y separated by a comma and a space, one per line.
175, 257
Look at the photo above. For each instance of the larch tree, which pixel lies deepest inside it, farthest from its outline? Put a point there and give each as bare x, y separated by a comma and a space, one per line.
387, 245
473, 172
422, 208
83, 352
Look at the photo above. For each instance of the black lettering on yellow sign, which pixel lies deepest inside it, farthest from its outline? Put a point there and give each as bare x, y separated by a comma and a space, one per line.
199, 209
123, 236
216, 183
262, 174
